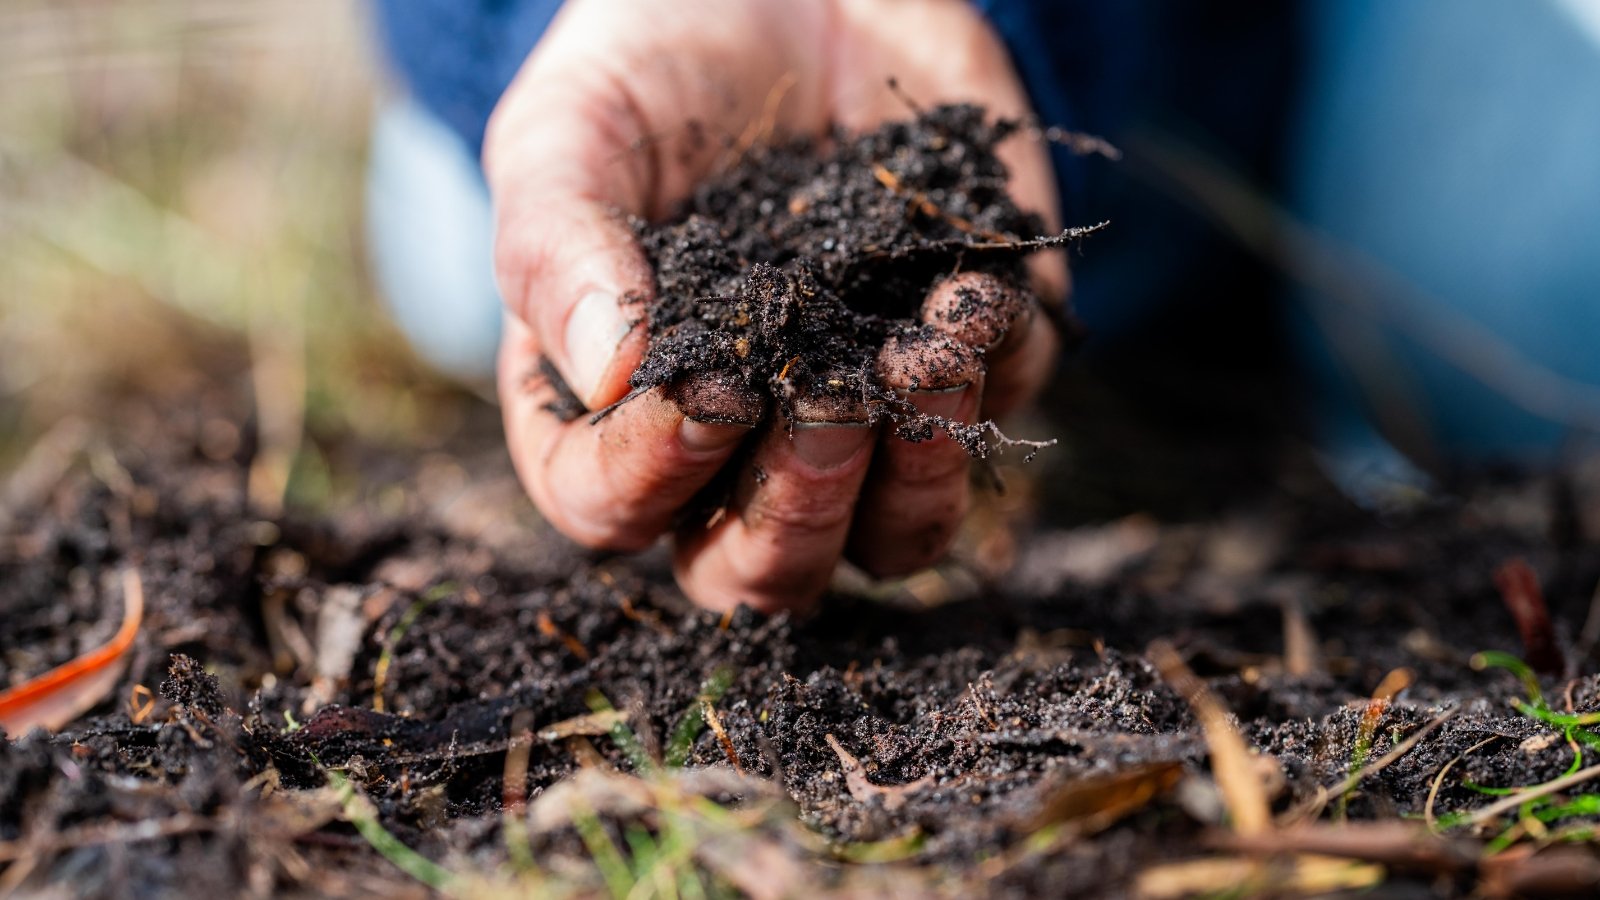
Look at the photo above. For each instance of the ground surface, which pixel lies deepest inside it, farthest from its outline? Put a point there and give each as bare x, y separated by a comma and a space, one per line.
958, 732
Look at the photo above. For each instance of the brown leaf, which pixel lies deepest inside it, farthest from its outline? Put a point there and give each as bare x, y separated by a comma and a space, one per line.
1095, 803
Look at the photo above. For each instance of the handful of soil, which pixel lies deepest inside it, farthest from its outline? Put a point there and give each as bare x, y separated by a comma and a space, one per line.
826, 280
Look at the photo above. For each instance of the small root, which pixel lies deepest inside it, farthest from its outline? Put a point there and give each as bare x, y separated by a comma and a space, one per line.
608, 410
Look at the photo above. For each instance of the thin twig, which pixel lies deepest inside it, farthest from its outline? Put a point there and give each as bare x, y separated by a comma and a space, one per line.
1236, 777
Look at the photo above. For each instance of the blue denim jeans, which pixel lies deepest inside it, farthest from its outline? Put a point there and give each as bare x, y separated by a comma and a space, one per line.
430, 236
1454, 149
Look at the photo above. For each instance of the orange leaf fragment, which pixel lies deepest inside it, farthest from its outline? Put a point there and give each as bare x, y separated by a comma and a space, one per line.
62, 694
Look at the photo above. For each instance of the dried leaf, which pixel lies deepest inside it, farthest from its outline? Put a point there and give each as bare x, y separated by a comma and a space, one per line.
62, 694
1232, 764
1095, 803
1399, 844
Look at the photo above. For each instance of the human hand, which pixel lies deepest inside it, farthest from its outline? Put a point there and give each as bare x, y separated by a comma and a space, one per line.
593, 130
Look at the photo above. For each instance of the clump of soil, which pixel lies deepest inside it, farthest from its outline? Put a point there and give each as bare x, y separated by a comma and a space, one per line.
788, 275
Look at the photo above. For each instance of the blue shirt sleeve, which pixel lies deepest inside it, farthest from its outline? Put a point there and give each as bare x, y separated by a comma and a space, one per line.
456, 57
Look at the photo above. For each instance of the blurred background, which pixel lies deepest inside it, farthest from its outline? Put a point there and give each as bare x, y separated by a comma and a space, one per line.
180, 218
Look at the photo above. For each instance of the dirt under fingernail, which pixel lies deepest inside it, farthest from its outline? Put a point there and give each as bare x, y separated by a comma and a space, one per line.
709, 437
943, 404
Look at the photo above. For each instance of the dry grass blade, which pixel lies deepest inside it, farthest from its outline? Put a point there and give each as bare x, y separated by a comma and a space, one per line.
1301, 656
46, 463
1231, 760
1438, 780
62, 694
709, 711
514, 793
591, 724
1094, 804
1232, 877
278, 376
1312, 809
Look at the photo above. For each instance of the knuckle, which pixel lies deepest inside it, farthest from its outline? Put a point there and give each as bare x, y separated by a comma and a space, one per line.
597, 532
591, 512
912, 551
798, 518
939, 465
520, 252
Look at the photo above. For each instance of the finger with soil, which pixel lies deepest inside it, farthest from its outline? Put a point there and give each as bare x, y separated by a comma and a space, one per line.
617, 484
976, 308
991, 314
1021, 365
776, 545
918, 491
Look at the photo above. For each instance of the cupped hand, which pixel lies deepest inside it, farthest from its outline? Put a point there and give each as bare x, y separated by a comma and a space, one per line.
620, 110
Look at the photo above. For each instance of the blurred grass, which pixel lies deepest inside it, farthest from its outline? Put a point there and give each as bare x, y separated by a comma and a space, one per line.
180, 202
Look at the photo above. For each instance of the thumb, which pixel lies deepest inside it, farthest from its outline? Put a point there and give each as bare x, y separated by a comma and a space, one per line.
577, 277
565, 176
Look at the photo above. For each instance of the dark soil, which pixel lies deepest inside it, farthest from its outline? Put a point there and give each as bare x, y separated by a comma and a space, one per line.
995, 727
988, 704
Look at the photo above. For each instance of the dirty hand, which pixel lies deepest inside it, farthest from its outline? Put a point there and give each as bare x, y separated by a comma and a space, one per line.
597, 126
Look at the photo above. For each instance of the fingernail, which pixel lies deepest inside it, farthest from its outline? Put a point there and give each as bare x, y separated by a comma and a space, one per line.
716, 398
945, 404
594, 329
707, 437
825, 445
